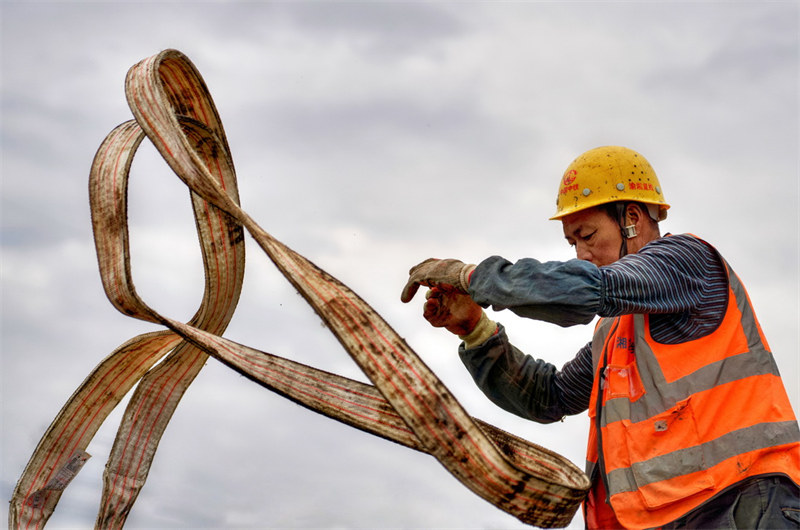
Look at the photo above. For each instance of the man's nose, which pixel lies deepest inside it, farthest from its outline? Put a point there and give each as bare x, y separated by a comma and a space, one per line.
582, 252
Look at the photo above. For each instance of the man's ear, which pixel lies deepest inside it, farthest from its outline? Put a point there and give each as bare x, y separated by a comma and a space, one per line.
634, 215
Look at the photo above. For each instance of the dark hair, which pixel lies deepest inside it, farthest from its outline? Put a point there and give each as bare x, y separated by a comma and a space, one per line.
616, 210
612, 209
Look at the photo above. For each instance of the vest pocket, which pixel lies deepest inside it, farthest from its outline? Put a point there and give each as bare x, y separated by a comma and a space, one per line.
667, 459
623, 381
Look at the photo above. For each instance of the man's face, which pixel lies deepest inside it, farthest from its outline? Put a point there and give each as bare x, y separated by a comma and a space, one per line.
595, 236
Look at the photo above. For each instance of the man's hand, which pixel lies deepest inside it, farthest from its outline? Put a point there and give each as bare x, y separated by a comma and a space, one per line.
434, 272
448, 308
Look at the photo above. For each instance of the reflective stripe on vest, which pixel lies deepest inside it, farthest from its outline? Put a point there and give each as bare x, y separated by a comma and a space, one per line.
679, 423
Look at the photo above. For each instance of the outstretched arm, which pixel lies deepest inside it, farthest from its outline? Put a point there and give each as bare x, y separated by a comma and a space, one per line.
528, 387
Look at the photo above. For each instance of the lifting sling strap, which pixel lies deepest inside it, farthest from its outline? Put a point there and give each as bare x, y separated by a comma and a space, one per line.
406, 403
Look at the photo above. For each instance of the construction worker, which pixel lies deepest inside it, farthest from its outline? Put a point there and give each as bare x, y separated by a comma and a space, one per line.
690, 422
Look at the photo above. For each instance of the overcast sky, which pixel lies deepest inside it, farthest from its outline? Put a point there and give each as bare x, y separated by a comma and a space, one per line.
368, 137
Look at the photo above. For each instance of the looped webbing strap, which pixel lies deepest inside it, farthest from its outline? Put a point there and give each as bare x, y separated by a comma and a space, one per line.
406, 404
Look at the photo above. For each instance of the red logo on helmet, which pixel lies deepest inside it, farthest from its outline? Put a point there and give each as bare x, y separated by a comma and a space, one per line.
569, 177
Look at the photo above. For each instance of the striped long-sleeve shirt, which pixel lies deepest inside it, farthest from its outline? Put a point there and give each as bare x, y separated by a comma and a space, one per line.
680, 281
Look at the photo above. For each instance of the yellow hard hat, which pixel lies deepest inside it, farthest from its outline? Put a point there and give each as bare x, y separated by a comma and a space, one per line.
609, 174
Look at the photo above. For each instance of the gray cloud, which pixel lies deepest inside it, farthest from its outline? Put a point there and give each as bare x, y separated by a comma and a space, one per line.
368, 137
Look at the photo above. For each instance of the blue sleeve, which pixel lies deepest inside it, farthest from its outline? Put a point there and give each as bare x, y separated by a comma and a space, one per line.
530, 388
564, 293
680, 280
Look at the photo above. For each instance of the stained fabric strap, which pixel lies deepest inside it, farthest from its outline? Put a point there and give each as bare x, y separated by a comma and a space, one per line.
406, 403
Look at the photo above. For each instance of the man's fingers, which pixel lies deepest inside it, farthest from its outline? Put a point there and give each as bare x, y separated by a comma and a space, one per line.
436, 313
412, 287
419, 265
409, 291
415, 279
433, 272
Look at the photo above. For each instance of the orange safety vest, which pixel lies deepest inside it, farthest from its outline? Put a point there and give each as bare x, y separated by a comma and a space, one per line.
674, 424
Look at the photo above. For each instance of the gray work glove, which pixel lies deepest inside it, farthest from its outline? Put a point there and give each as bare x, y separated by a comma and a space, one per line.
433, 272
